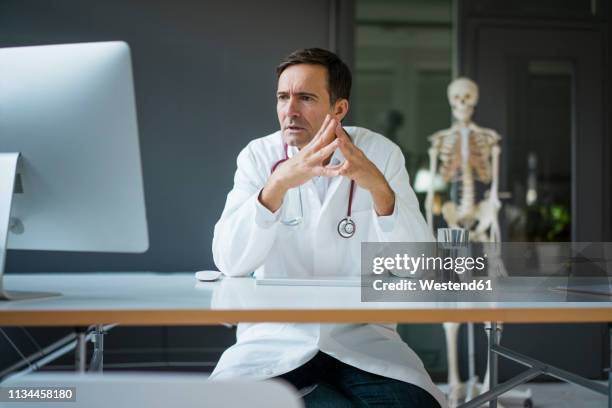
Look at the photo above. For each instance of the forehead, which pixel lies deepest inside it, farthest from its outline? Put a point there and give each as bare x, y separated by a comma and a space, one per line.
460, 86
303, 78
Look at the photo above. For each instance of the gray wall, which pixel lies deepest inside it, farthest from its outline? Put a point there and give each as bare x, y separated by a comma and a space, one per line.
205, 86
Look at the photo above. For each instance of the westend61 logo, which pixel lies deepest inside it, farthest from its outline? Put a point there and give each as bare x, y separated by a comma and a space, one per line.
422, 263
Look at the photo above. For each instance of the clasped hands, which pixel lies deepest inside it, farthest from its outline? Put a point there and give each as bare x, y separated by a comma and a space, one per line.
312, 160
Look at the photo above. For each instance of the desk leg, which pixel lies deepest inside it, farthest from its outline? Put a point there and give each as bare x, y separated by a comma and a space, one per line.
98, 355
80, 351
610, 367
493, 340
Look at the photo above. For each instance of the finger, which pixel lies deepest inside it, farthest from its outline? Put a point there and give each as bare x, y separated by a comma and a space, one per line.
328, 171
344, 137
345, 148
340, 132
317, 139
326, 151
341, 169
335, 166
328, 135
317, 136
323, 125
345, 169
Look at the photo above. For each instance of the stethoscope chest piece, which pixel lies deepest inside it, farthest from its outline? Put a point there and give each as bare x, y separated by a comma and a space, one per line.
346, 227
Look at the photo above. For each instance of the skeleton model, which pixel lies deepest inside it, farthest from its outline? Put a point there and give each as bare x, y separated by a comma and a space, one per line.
466, 153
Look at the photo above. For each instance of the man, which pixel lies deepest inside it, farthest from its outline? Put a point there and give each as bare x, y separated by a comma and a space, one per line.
295, 193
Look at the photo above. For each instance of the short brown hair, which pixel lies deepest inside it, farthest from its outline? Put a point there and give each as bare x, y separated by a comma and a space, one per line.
338, 73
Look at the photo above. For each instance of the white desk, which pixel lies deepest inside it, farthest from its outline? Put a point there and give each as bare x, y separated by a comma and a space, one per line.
178, 299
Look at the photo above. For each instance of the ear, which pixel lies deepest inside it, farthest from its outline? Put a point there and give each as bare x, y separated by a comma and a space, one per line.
341, 108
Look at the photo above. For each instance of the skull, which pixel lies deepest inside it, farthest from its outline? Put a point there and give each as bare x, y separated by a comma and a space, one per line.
463, 97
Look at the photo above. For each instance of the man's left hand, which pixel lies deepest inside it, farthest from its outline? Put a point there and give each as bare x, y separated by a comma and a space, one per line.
358, 167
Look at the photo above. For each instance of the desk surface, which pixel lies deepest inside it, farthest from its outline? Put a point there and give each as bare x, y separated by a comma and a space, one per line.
178, 299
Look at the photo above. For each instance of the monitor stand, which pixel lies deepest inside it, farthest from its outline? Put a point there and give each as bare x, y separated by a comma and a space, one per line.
8, 172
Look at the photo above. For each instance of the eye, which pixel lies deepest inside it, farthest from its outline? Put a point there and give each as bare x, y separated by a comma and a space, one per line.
282, 97
306, 98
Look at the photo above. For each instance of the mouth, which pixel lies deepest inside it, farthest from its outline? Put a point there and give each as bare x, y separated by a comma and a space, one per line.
294, 129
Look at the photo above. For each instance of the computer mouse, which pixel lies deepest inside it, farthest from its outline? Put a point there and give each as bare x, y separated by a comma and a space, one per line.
207, 276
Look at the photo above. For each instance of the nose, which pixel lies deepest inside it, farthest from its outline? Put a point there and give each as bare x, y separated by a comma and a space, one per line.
291, 107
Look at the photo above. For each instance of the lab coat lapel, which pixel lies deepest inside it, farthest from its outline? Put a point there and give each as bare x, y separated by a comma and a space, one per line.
313, 206
338, 181
335, 182
333, 209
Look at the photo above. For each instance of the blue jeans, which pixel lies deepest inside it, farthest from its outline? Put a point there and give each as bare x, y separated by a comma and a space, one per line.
341, 385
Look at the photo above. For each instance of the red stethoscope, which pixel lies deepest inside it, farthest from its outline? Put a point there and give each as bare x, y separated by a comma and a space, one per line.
346, 226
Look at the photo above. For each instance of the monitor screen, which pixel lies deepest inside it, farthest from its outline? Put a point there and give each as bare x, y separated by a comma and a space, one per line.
70, 111
70, 168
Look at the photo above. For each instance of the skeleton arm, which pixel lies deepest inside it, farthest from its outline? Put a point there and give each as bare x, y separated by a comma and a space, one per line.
435, 151
433, 158
495, 235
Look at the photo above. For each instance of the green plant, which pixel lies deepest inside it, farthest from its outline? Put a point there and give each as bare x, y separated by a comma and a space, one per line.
548, 222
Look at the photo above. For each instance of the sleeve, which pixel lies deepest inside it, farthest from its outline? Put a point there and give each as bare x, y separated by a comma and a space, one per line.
406, 223
246, 231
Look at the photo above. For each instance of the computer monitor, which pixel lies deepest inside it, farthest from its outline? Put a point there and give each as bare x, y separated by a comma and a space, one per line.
70, 171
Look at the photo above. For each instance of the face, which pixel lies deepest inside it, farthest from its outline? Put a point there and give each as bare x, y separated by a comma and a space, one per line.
303, 101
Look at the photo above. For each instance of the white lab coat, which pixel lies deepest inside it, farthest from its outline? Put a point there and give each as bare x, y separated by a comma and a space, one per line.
250, 238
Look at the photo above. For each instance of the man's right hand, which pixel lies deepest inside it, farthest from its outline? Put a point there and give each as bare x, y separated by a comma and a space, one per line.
309, 162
